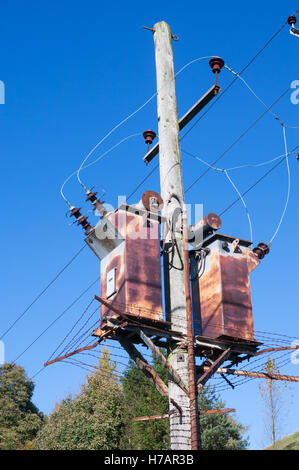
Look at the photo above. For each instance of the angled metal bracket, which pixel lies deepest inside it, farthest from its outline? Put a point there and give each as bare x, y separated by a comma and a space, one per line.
77, 351
157, 353
183, 121
212, 369
144, 366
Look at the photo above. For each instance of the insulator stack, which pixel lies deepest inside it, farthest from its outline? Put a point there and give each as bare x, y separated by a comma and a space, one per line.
292, 20
149, 136
97, 204
216, 65
261, 250
81, 219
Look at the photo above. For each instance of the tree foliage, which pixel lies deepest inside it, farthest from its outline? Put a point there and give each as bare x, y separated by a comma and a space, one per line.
91, 420
101, 416
20, 420
142, 399
219, 431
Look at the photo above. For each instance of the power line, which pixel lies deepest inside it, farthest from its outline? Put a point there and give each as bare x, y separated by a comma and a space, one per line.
95, 161
43, 291
77, 172
289, 187
142, 181
243, 202
256, 183
239, 167
234, 80
238, 139
59, 316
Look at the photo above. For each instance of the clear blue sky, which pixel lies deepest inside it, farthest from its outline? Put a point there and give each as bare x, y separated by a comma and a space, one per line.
72, 71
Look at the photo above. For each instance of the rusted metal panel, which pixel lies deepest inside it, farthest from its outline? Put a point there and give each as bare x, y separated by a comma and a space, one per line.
103, 238
206, 226
221, 297
137, 266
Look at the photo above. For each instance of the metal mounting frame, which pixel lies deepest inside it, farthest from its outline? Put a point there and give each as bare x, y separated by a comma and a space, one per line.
188, 116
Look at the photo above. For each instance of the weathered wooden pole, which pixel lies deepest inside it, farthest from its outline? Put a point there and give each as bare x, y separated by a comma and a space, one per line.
184, 429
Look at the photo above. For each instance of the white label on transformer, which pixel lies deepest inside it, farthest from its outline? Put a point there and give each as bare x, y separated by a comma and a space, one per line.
111, 283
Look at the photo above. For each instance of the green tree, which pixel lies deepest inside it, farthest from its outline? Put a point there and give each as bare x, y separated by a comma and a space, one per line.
219, 431
91, 420
142, 399
20, 420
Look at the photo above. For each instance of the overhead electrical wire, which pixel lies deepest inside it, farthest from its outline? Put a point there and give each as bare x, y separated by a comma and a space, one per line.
225, 171
212, 166
288, 190
58, 318
243, 202
43, 291
92, 163
83, 166
239, 167
257, 363
257, 182
73, 327
143, 181
268, 109
258, 98
147, 101
220, 95
238, 139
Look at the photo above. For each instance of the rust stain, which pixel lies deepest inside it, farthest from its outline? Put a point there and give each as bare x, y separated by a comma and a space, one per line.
221, 297
138, 268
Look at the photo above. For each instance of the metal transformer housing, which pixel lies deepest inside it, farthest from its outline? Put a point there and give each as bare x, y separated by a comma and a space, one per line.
131, 272
221, 296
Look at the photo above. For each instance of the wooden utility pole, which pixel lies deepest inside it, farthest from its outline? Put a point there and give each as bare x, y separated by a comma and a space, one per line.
182, 434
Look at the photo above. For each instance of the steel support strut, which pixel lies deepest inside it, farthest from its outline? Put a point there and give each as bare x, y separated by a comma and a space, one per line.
209, 371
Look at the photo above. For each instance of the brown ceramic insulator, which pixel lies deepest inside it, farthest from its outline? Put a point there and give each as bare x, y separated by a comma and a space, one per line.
75, 212
261, 250
216, 64
292, 20
149, 136
92, 197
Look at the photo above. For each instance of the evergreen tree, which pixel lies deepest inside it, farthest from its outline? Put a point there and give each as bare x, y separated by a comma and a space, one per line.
142, 399
92, 419
218, 431
20, 420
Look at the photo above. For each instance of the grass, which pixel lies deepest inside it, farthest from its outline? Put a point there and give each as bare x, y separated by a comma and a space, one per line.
287, 443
